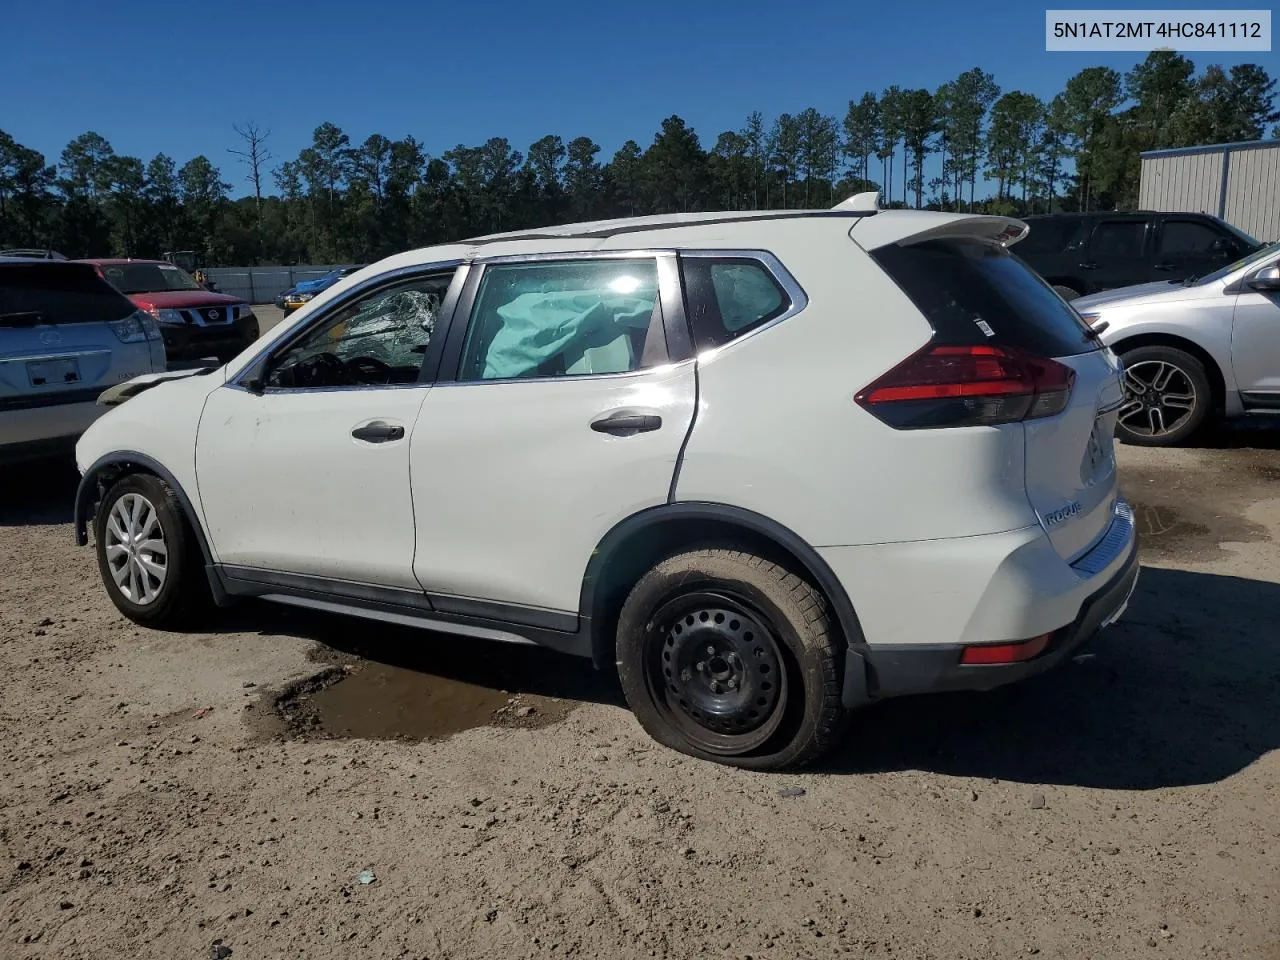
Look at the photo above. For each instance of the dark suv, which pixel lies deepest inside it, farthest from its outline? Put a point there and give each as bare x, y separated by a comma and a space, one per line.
1082, 253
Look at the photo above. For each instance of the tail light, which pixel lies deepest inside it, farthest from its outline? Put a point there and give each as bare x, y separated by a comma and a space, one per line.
136, 327
966, 386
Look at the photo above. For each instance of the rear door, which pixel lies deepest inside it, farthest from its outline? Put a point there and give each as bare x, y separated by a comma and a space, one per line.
66, 335
565, 394
1051, 248
1117, 254
975, 294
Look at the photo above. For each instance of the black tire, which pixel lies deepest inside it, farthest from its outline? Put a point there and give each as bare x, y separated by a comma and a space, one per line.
1185, 376
1065, 292
760, 626
184, 592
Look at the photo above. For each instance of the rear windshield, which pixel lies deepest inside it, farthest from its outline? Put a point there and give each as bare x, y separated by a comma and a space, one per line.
52, 292
973, 293
148, 277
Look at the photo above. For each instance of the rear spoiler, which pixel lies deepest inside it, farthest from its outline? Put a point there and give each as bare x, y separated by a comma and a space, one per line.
917, 226
114, 396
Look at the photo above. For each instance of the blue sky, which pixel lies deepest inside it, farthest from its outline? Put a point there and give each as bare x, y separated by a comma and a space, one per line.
171, 77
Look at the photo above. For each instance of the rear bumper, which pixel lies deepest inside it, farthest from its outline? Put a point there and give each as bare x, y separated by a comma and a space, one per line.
920, 604
193, 341
907, 669
49, 449
34, 432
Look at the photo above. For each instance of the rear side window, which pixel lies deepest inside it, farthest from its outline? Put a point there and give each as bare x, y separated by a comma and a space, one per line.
1051, 235
51, 293
1118, 238
978, 293
728, 297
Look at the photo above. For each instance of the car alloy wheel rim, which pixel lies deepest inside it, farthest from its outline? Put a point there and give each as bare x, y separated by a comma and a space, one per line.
717, 671
1158, 396
137, 554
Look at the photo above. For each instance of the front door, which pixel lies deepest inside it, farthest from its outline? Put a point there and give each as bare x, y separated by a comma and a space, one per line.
303, 461
1191, 248
1255, 345
565, 415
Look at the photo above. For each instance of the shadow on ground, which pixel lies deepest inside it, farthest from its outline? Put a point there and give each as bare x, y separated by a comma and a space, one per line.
38, 492
1243, 433
1182, 691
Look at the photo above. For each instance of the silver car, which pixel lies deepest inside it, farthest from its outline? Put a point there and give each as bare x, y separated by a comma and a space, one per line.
1194, 348
66, 335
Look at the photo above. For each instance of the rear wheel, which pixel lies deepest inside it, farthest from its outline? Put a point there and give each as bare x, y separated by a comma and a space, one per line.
147, 554
1166, 396
728, 657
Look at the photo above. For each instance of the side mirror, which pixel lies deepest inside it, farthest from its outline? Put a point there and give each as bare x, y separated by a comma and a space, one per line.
1266, 280
1222, 248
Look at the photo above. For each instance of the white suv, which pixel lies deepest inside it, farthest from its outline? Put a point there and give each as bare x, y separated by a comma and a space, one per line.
772, 465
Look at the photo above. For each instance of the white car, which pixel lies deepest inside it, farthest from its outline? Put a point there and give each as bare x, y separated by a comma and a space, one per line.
772, 465
1193, 348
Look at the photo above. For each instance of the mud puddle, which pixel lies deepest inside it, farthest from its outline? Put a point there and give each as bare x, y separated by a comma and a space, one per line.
374, 701
430, 694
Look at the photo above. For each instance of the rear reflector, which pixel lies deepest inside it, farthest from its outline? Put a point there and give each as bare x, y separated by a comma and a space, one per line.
965, 386
991, 653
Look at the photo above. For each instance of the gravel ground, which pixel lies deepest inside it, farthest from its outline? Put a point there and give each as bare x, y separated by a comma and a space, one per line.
229, 792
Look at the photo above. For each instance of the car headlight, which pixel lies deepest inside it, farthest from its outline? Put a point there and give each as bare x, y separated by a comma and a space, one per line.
302, 297
167, 316
135, 328
243, 310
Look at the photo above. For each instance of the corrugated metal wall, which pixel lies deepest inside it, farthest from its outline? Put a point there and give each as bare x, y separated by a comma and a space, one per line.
1192, 182
1253, 192
1187, 184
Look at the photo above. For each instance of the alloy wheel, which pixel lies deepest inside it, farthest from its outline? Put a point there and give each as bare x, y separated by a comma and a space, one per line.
135, 547
1159, 396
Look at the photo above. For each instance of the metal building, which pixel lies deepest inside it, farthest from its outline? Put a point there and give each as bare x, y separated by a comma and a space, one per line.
1239, 182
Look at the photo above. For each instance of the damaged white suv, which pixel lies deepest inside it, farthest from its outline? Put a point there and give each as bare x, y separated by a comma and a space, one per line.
772, 465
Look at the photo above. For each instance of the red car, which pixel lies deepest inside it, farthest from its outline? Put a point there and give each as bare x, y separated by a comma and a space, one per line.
195, 323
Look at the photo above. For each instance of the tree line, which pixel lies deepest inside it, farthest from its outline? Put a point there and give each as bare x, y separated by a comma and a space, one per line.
342, 202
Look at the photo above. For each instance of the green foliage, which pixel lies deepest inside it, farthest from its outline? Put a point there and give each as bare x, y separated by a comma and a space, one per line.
342, 202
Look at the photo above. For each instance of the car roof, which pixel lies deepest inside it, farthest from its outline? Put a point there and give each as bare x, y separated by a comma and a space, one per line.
742, 229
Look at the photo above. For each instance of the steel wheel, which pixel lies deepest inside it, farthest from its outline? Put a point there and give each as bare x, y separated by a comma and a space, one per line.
1159, 398
714, 666
136, 552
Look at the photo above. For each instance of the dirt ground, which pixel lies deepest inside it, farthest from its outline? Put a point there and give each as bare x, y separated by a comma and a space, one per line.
228, 792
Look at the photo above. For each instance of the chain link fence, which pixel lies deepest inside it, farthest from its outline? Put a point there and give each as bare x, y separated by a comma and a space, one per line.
264, 284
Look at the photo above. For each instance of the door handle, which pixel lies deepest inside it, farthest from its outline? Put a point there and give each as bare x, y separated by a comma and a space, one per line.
378, 432
1167, 265
1088, 265
625, 424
